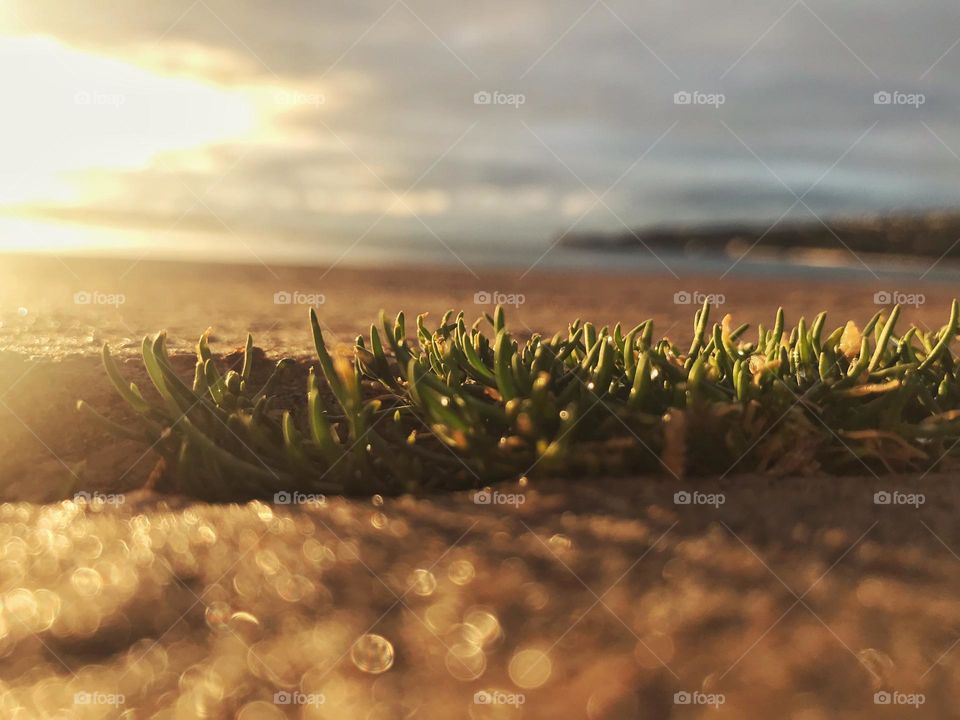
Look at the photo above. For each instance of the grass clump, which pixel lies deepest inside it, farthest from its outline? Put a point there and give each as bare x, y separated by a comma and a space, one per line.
461, 405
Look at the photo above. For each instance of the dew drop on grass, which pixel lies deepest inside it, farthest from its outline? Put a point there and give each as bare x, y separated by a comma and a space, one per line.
535, 596
48, 609
466, 661
21, 605
878, 664
246, 626
372, 654
461, 572
293, 588
264, 512
422, 582
441, 616
530, 668
218, 616
481, 627
86, 581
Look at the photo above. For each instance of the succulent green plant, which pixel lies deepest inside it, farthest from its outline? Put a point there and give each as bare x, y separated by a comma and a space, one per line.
463, 405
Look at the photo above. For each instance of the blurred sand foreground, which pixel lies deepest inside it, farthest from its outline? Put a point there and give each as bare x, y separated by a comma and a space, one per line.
594, 598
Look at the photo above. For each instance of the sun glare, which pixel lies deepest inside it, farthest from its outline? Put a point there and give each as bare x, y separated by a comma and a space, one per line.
67, 112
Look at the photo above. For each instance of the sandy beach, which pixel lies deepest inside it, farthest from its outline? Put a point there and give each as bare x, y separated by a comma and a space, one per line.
596, 597
698, 506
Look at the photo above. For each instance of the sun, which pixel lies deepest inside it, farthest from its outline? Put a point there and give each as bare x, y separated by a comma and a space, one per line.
70, 115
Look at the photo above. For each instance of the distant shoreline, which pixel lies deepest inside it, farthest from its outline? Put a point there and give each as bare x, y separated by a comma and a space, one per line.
902, 248
931, 235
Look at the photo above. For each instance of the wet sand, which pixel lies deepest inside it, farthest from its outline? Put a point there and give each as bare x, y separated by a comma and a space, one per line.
595, 597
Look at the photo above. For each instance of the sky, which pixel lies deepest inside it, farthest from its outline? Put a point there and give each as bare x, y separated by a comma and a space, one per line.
346, 126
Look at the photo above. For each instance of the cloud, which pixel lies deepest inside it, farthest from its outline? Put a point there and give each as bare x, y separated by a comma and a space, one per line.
398, 83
